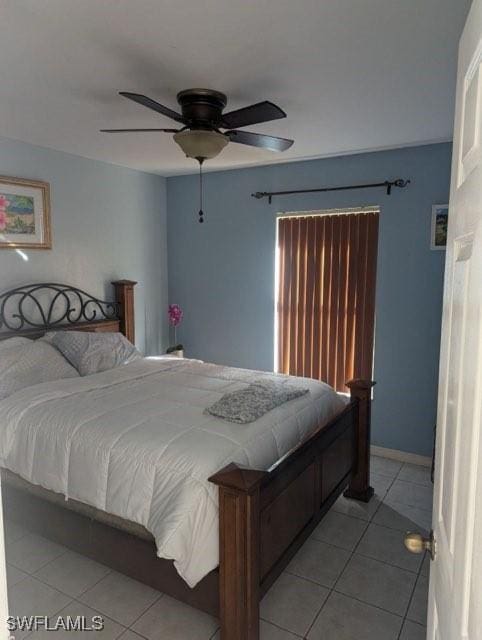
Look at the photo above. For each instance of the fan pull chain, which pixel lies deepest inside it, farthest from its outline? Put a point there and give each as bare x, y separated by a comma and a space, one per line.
201, 212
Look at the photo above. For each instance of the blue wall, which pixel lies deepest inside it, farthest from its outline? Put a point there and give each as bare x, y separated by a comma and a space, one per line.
222, 272
107, 222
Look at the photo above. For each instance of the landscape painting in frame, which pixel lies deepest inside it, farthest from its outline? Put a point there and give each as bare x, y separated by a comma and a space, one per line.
24, 214
440, 216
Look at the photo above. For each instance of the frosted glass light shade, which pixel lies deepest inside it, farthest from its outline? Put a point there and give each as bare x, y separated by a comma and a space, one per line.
200, 143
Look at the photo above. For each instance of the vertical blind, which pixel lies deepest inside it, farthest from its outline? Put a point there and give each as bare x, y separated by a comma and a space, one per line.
326, 296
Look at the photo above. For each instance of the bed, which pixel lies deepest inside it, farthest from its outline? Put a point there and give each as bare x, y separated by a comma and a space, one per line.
232, 504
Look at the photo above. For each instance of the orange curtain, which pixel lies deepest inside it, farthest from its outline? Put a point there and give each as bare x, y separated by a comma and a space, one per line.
326, 296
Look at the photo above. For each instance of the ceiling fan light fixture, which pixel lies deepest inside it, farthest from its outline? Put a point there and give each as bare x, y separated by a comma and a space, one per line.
201, 143
202, 116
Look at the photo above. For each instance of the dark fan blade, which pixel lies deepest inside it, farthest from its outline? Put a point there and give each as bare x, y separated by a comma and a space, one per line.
152, 104
260, 112
259, 140
137, 130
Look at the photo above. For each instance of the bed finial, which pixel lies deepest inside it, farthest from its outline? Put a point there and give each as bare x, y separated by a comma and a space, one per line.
359, 488
124, 296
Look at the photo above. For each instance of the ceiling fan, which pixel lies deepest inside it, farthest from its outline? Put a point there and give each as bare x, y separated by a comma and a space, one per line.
202, 118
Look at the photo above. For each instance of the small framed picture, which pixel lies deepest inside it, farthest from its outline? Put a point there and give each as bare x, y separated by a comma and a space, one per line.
438, 235
24, 214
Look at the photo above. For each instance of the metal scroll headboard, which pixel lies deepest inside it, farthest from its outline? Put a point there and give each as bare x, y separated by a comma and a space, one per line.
47, 305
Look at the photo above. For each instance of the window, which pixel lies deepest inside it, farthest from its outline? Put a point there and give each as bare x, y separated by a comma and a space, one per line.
326, 276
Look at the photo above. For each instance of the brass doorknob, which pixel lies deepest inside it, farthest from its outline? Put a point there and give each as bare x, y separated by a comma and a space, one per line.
416, 543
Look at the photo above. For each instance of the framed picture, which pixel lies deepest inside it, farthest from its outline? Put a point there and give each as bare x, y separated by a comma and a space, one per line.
24, 214
438, 235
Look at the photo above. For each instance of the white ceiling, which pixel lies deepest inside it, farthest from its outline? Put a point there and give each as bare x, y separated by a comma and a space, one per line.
352, 75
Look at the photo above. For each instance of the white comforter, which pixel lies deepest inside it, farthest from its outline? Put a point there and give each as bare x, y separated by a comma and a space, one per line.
135, 442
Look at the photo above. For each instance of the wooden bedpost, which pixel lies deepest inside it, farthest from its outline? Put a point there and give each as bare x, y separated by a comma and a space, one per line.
239, 543
124, 296
359, 487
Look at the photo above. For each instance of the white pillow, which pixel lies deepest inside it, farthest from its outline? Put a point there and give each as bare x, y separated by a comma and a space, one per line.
17, 341
23, 365
91, 352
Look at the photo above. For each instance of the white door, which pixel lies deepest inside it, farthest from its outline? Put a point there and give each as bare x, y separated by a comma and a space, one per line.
455, 597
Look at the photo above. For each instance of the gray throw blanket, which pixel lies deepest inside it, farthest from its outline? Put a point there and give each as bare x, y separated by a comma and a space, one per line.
247, 405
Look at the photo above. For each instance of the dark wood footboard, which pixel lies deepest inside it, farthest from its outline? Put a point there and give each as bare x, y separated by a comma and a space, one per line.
265, 516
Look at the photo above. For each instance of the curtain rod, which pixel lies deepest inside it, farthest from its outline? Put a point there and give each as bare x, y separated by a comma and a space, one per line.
388, 184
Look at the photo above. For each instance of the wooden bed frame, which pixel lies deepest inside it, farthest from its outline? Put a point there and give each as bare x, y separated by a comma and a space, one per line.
264, 516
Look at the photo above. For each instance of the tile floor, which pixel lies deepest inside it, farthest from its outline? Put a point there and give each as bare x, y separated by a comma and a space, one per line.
352, 579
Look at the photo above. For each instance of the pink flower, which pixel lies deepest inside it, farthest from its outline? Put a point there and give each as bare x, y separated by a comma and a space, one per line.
175, 314
4, 202
3, 219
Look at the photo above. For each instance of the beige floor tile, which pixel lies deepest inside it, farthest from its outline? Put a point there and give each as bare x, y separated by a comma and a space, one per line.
411, 494
416, 473
268, 631
130, 635
387, 545
91, 618
403, 517
413, 631
425, 570
417, 611
72, 573
344, 618
14, 575
378, 584
356, 508
169, 619
32, 552
293, 603
340, 530
319, 562
385, 466
13, 531
380, 483
120, 598
30, 597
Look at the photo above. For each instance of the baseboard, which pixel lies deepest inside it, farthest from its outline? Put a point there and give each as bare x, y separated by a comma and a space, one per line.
401, 456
